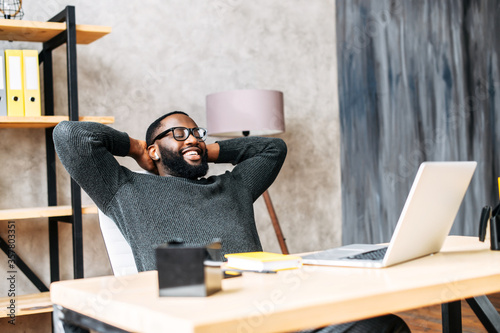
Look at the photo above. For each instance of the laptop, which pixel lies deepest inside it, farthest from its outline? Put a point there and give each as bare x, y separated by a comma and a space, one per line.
424, 223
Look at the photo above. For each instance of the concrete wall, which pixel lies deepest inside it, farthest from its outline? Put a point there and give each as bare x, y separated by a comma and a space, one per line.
168, 55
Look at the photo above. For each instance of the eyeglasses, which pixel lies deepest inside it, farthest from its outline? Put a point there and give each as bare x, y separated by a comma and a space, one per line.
182, 133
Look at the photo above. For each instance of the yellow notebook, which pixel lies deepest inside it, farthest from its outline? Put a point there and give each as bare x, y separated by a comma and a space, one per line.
262, 261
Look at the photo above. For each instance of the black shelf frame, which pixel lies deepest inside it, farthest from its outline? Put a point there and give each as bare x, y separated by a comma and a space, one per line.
67, 37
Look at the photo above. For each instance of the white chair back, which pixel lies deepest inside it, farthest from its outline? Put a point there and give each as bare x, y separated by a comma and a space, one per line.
119, 251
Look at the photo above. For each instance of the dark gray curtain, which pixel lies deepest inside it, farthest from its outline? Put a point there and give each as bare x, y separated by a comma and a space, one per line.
418, 81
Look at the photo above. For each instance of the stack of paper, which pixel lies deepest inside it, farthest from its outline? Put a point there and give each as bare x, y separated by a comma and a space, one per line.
262, 261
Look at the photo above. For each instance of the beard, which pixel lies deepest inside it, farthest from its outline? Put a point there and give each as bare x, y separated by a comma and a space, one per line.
174, 162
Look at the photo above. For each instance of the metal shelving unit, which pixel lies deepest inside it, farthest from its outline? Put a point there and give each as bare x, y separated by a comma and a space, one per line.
61, 29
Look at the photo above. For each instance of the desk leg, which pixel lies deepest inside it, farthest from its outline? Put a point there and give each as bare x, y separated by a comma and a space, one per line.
452, 317
486, 313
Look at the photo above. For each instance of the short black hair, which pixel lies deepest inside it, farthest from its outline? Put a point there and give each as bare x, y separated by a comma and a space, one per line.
156, 124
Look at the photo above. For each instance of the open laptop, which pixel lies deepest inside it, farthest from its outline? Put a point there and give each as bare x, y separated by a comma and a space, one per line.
424, 223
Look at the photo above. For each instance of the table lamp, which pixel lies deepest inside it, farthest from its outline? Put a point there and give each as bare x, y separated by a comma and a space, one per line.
247, 112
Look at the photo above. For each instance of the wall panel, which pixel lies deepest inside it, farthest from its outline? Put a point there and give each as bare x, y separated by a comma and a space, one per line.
418, 81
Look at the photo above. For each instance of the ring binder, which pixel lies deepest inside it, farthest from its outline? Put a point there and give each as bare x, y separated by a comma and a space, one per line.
14, 82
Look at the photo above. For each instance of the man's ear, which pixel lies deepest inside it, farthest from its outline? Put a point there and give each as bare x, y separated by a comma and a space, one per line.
153, 154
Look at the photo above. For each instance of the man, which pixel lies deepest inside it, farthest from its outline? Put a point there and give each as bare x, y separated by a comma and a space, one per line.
152, 209
174, 200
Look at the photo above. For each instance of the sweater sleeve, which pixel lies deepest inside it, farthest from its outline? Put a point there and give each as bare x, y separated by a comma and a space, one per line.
258, 161
86, 150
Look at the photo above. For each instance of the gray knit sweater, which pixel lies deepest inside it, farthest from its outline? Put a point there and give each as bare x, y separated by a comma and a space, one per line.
151, 210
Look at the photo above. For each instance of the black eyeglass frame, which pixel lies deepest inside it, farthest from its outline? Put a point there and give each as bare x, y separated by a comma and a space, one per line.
190, 131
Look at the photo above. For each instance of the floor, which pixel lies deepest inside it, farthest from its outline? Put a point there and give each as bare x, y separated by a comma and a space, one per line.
429, 319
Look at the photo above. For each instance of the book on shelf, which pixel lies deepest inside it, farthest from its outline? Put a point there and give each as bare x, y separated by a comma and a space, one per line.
262, 261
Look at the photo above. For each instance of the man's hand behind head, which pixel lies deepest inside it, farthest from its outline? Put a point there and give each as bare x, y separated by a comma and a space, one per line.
139, 152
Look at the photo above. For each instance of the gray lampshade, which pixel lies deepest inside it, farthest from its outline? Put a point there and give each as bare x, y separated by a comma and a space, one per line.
245, 112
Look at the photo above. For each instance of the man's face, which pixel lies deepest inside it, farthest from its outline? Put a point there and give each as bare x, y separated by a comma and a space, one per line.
187, 159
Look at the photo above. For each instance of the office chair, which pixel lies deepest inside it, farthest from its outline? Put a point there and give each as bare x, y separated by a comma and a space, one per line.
119, 251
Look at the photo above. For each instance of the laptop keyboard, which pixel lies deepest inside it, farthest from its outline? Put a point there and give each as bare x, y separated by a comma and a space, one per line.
370, 255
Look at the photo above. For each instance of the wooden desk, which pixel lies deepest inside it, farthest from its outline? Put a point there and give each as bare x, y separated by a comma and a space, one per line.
290, 300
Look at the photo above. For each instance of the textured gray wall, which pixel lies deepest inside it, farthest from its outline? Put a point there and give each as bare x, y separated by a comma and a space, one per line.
168, 55
418, 80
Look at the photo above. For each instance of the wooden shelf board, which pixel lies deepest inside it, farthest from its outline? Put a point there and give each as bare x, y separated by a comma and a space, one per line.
27, 304
41, 212
46, 121
86, 34
32, 31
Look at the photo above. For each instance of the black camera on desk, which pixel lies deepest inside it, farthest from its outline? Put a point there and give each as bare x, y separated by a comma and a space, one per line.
189, 270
